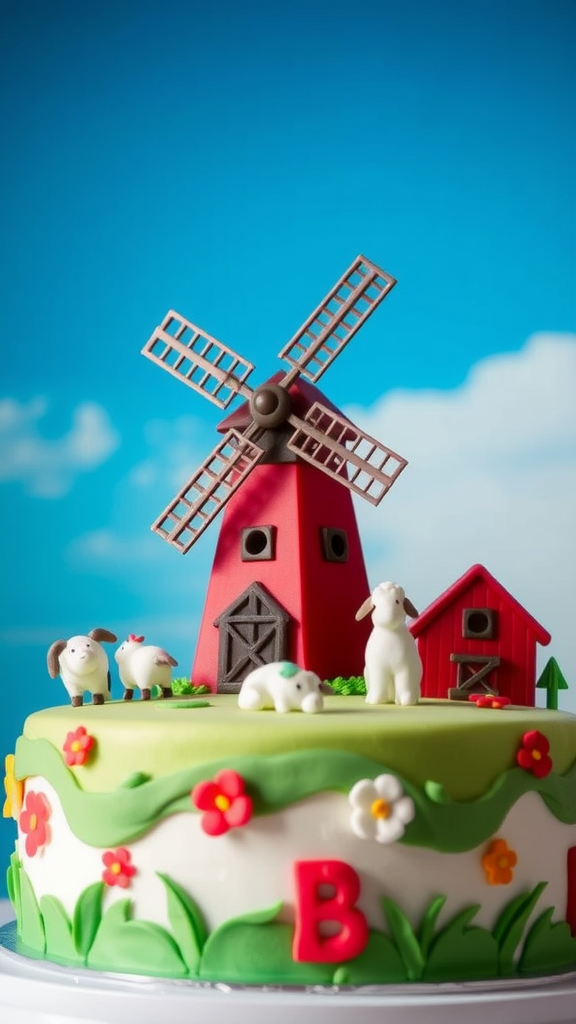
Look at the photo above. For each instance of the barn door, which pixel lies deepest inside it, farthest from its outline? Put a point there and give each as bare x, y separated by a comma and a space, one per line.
476, 674
253, 632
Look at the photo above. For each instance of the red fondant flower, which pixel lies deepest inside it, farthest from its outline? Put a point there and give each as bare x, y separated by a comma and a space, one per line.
533, 754
77, 746
33, 822
489, 700
119, 870
223, 801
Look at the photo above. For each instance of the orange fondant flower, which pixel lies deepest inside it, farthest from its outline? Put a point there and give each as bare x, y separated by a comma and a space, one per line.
224, 802
34, 822
14, 789
77, 746
534, 754
489, 700
118, 869
499, 862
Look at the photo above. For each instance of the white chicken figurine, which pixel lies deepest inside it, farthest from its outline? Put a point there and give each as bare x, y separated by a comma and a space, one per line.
144, 666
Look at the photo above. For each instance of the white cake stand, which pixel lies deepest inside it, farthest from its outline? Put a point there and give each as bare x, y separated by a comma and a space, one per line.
36, 992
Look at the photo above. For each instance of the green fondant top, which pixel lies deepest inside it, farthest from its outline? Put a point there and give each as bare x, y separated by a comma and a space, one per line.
456, 745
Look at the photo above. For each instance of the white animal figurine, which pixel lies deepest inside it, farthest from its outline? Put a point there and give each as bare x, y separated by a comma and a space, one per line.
393, 669
82, 664
283, 686
144, 667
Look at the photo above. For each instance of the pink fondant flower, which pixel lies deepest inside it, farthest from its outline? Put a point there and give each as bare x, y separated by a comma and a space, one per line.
224, 802
34, 822
118, 869
534, 754
489, 700
77, 746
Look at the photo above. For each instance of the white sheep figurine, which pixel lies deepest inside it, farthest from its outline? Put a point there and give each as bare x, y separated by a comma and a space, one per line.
283, 686
82, 664
393, 668
144, 666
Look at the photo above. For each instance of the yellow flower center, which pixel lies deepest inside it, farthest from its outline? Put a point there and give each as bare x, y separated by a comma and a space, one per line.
33, 822
115, 868
381, 808
536, 755
222, 802
503, 862
76, 746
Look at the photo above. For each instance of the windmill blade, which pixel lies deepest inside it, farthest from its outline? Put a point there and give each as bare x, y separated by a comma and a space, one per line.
201, 361
208, 490
334, 445
331, 326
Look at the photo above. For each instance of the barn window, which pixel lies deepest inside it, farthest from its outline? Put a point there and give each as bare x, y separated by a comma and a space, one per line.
479, 623
334, 544
258, 544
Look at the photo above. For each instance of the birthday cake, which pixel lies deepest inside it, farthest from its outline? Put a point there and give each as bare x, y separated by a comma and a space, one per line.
265, 833
381, 844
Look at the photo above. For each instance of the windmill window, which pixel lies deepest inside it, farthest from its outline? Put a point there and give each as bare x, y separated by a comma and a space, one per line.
258, 544
479, 623
334, 544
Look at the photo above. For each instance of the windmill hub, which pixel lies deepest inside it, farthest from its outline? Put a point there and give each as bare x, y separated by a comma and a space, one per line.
270, 405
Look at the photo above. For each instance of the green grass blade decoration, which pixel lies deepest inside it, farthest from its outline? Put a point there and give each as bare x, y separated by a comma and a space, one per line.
428, 924
140, 947
460, 952
31, 925
187, 924
58, 929
13, 884
510, 926
549, 947
379, 963
405, 939
87, 917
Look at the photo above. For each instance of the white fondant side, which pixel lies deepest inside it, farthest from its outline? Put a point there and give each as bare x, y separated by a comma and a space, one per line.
251, 868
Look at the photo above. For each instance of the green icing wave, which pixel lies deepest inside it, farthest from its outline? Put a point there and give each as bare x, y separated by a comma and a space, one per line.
277, 782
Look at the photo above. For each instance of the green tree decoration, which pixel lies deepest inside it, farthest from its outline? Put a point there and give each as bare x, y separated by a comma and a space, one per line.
551, 680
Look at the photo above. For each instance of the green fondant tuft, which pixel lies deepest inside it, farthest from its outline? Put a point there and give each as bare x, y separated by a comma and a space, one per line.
30, 924
510, 926
141, 947
461, 952
134, 780
87, 917
379, 963
549, 946
58, 929
187, 924
13, 884
405, 939
348, 687
428, 924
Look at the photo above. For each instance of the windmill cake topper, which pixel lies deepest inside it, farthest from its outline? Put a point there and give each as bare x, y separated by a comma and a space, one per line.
288, 572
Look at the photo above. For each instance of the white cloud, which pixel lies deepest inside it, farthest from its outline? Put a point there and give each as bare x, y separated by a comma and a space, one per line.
47, 467
492, 479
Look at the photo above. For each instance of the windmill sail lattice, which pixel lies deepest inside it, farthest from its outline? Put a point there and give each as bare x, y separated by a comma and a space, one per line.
321, 437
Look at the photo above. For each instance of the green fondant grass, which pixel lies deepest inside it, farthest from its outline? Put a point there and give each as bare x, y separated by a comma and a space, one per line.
257, 949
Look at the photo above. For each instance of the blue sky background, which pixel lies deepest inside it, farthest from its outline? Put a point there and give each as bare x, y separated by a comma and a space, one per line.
230, 161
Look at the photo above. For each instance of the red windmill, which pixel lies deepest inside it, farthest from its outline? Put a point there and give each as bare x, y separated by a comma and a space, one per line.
288, 573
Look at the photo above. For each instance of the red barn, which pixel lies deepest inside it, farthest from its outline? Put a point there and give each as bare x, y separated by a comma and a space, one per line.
477, 638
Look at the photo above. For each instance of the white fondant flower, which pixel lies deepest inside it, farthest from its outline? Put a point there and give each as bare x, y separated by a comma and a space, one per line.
380, 810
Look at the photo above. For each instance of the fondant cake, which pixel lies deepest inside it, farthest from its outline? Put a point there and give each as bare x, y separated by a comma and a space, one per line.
189, 838
284, 834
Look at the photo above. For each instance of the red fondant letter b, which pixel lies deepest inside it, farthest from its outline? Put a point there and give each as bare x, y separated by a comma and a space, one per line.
313, 909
